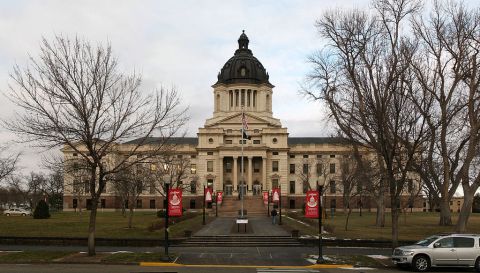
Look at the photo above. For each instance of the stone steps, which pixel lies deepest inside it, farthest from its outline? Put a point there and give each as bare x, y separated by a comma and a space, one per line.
252, 204
241, 241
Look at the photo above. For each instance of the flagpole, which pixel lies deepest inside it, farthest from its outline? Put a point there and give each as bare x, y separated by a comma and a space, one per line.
241, 167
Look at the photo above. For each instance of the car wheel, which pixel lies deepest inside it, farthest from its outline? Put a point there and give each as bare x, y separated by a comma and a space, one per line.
421, 263
477, 265
8, 214
23, 214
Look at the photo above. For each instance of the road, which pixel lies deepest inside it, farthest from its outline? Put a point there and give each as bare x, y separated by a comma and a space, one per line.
89, 268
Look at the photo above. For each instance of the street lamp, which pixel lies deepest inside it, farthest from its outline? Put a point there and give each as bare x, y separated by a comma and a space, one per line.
167, 188
204, 189
320, 185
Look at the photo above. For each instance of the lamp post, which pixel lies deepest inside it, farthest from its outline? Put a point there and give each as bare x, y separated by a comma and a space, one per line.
167, 189
320, 185
204, 189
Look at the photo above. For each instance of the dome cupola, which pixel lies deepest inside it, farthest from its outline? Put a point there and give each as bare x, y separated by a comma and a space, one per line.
243, 67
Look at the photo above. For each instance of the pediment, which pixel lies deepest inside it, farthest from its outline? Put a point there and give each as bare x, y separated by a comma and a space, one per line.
236, 119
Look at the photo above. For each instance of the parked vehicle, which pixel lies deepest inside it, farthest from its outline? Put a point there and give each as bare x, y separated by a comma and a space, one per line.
453, 250
17, 211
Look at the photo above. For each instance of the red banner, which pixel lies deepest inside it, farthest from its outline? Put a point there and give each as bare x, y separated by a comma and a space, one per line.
174, 202
265, 197
311, 204
219, 197
276, 195
208, 194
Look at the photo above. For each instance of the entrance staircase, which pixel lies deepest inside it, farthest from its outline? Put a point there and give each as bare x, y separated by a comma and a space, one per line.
231, 205
240, 241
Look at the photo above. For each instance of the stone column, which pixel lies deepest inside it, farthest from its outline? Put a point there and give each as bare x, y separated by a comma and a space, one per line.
220, 174
264, 173
235, 174
249, 174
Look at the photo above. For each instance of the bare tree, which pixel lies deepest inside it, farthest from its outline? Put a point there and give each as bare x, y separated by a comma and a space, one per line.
448, 75
8, 163
31, 187
130, 183
74, 96
363, 76
350, 180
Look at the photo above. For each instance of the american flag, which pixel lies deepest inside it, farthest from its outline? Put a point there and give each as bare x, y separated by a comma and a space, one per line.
244, 121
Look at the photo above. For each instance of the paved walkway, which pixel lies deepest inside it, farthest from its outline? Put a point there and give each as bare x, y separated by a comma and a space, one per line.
259, 226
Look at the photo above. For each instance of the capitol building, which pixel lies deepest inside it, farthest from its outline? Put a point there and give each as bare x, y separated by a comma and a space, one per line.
270, 158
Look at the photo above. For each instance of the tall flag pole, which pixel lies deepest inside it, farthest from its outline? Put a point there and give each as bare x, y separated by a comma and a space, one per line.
242, 186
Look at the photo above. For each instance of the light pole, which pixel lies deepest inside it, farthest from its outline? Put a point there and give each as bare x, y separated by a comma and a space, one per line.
320, 185
204, 189
167, 188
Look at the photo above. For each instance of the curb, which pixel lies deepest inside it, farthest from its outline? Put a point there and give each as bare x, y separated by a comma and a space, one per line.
314, 266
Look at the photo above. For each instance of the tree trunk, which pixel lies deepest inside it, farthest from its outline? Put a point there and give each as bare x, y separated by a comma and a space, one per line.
464, 213
394, 224
91, 228
348, 217
445, 214
380, 219
130, 217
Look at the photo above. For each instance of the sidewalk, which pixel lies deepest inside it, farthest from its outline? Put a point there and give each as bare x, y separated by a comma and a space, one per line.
258, 226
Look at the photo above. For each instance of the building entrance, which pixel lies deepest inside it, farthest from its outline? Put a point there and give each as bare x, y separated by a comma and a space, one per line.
228, 189
257, 189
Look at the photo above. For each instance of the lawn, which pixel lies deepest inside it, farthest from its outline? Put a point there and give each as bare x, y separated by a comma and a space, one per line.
412, 226
109, 225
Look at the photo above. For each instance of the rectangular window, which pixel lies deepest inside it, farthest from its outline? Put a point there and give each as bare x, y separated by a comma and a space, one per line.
209, 166
139, 203
410, 185
152, 203
319, 156
236, 97
332, 167
274, 166
228, 167
292, 187
256, 166
256, 141
332, 156
292, 156
192, 203
209, 153
305, 168
228, 141
75, 203
193, 156
193, 187
333, 204
333, 187
292, 168
319, 169
152, 187
305, 187
305, 156
193, 168
274, 183
244, 141
274, 153
243, 97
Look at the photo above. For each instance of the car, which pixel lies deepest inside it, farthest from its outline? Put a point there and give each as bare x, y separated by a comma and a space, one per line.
452, 250
17, 211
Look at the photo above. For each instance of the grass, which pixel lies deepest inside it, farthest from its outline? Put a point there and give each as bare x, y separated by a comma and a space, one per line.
32, 256
109, 225
134, 257
412, 226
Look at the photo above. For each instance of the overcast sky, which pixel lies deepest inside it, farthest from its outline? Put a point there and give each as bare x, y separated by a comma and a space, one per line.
179, 43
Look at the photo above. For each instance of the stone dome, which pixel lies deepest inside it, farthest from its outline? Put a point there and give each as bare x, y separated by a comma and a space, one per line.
243, 67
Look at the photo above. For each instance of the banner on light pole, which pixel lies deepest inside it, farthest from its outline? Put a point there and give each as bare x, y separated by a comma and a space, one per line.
265, 197
208, 194
311, 204
219, 197
174, 202
276, 195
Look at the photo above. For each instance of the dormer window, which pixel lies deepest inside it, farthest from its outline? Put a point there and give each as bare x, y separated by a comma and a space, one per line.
243, 72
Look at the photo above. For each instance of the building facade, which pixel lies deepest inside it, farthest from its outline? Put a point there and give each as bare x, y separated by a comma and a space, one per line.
221, 158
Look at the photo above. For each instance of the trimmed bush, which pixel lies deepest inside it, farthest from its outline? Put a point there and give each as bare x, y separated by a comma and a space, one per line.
161, 213
41, 211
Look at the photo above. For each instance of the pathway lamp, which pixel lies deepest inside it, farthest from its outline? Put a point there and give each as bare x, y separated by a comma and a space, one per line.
320, 184
204, 192
166, 168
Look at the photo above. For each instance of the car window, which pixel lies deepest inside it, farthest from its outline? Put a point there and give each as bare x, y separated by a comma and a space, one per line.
427, 241
445, 242
463, 242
